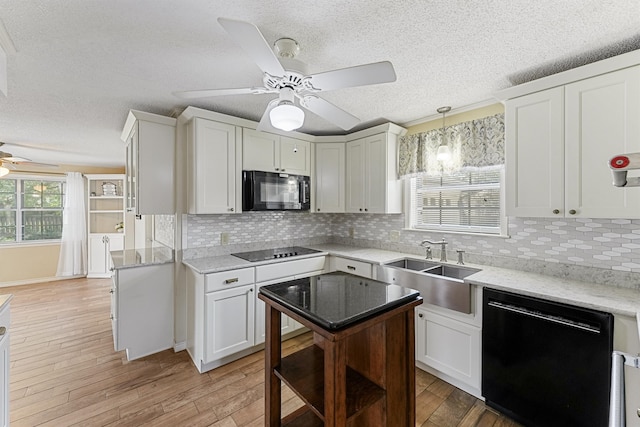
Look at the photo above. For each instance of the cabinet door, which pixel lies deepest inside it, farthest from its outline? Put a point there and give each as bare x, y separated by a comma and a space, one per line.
287, 324
229, 322
376, 174
535, 155
356, 159
602, 120
97, 256
260, 151
155, 171
213, 180
330, 177
295, 156
131, 169
449, 346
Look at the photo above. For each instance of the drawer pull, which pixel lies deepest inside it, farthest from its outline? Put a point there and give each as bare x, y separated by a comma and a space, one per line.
351, 267
229, 281
3, 330
111, 291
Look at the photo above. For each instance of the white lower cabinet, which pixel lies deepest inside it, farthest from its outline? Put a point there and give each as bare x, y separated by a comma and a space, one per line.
449, 344
4, 365
225, 317
229, 322
142, 309
99, 258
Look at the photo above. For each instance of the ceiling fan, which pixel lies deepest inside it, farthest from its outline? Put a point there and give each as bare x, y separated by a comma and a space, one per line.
8, 162
286, 76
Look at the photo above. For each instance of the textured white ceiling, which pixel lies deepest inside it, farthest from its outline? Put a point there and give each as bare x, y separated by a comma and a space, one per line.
81, 65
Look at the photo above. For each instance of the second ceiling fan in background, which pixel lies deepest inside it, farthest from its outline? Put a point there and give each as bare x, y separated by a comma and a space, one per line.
286, 76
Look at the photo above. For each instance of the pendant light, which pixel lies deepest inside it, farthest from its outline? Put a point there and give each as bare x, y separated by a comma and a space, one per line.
444, 152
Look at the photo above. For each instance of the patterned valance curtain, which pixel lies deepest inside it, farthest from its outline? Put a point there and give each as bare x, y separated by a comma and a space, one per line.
474, 144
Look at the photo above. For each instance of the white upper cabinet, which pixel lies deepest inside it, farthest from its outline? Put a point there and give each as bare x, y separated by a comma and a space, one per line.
214, 155
150, 163
535, 154
559, 142
372, 185
330, 177
273, 153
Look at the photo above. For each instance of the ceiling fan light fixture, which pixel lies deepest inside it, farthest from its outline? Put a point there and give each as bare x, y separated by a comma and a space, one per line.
286, 116
3, 171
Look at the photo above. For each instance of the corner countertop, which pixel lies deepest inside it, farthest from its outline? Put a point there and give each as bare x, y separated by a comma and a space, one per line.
614, 299
131, 258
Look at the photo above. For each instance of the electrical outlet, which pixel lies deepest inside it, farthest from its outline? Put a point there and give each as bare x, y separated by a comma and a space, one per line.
394, 235
351, 232
224, 238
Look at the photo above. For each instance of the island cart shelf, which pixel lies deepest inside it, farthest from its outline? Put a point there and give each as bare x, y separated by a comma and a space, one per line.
361, 365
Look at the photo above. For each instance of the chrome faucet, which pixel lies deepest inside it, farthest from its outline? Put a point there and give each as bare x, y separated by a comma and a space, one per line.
443, 251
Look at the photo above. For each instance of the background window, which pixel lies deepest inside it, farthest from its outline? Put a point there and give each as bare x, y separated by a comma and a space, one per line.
30, 209
464, 202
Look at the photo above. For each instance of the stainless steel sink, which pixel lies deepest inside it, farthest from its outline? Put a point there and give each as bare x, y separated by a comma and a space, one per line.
439, 284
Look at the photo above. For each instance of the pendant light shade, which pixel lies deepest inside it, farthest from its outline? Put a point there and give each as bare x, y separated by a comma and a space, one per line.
3, 171
444, 152
286, 116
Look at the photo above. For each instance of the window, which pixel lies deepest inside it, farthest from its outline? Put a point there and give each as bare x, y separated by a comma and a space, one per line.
460, 202
30, 209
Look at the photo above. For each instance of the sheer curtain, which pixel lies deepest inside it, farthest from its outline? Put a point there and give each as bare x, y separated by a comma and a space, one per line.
73, 250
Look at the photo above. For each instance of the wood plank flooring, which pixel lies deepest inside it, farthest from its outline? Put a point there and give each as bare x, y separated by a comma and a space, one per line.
64, 372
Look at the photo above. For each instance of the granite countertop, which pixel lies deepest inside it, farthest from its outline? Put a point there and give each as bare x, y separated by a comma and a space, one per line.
216, 264
131, 258
615, 299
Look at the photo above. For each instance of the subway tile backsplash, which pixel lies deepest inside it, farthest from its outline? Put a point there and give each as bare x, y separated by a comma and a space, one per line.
558, 245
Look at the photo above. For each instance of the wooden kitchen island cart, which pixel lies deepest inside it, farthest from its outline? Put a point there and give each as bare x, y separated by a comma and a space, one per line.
360, 370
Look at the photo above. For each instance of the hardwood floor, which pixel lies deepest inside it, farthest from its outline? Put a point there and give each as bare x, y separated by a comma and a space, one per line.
64, 372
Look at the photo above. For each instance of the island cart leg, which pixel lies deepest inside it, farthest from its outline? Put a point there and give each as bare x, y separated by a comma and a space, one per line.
272, 356
335, 383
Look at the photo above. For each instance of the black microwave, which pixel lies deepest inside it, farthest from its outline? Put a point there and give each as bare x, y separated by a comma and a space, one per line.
272, 191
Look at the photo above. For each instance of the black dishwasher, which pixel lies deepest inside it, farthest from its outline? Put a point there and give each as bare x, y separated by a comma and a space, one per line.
544, 363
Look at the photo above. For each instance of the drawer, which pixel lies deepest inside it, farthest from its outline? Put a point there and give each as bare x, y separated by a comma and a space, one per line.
228, 279
297, 267
358, 268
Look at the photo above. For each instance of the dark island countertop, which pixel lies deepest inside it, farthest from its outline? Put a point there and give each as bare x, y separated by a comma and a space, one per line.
337, 300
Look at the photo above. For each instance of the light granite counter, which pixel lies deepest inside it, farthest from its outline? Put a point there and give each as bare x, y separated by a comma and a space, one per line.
614, 299
216, 264
131, 258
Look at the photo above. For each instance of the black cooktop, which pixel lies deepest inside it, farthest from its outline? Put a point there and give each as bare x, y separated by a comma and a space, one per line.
267, 254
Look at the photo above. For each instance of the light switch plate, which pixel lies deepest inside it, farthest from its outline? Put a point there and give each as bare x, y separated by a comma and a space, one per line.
224, 238
351, 232
394, 235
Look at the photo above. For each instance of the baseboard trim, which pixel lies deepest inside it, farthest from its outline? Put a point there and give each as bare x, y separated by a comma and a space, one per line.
38, 280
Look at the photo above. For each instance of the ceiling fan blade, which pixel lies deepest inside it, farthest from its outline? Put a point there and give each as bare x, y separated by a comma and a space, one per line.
329, 111
265, 121
218, 92
14, 159
249, 37
360, 75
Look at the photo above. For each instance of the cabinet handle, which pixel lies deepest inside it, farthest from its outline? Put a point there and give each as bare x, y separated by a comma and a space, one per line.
231, 209
420, 315
228, 281
318, 209
360, 209
556, 211
251, 290
281, 170
351, 267
366, 210
111, 291
572, 211
111, 317
277, 169
106, 238
103, 239
3, 330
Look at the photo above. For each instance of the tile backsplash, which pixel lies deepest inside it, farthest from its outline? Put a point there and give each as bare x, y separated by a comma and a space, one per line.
612, 245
